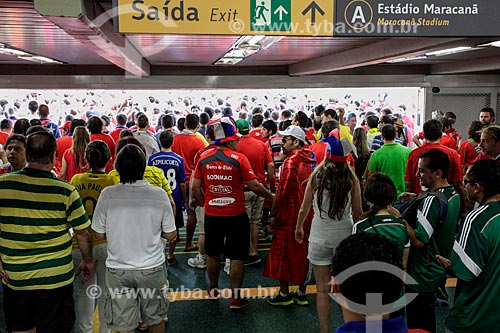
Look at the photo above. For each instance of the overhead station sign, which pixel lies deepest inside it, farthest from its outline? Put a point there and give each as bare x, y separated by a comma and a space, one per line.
226, 17
422, 18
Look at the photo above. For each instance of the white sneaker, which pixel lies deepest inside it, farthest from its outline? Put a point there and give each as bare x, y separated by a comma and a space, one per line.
227, 266
200, 261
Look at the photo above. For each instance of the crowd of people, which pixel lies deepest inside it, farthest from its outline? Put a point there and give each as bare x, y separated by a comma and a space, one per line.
105, 197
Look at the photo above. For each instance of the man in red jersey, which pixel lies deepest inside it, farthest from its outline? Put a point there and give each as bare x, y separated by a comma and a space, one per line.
262, 165
287, 259
433, 131
218, 185
187, 144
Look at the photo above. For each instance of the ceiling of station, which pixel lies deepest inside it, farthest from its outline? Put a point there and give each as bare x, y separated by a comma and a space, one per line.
80, 46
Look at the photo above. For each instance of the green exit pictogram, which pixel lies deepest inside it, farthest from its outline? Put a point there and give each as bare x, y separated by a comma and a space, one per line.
270, 15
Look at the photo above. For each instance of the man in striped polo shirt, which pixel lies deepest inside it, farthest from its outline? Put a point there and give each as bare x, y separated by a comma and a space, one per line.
37, 211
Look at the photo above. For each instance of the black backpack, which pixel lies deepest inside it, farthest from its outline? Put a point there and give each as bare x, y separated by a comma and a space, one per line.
409, 208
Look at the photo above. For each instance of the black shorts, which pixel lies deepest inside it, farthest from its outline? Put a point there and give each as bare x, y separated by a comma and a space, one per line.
49, 310
227, 234
179, 218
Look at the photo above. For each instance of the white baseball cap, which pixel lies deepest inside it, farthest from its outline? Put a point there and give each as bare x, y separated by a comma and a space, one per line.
295, 131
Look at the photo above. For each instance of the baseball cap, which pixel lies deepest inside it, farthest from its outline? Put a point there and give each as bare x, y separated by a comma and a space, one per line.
338, 150
223, 130
295, 131
243, 126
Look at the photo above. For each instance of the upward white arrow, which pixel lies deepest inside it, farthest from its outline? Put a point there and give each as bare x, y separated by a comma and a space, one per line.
281, 10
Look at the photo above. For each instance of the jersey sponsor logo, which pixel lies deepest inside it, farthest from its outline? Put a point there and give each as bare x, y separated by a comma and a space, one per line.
219, 189
221, 201
219, 177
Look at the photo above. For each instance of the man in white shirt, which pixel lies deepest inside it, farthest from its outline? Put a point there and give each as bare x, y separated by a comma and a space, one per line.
132, 216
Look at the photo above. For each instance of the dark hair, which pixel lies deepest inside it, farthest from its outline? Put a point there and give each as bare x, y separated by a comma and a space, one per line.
474, 130
227, 111
386, 111
301, 117
319, 110
33, 106
40, 147
487, 174
449, 115
445, 122
95, 125
5, 123
270, 125
106, 120
142, 121
257, 110
389, 132
490, 110
121, 119
166, 139
204, 118
364, 248
126, 133
329, 126
129, 140
286, 113
75, 123
130, 163
35, 122
16, 137
387, 120
433, 130
192, 121
380, 190
21, 126
35, 129
331, 113
167, 121
97, 155
209, 111
181, 124
43, 110
257, 120
438, 160
284, 124
372, 121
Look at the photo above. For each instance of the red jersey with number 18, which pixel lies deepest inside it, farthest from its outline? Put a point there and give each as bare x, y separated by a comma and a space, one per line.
223, 173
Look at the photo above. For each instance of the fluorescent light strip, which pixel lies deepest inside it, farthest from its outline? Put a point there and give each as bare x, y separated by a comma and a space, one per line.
449, 51
245, 46
406, 59
4, 49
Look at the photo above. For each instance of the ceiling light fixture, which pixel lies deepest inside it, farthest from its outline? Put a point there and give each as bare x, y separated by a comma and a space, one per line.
494, 44
20, 54
450, 51
245, 46
406, 59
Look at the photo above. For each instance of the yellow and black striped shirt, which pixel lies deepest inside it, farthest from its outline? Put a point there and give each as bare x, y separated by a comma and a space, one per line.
36, 212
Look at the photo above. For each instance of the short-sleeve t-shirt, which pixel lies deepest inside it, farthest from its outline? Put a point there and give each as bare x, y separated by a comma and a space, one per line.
223, 172
172, 166
258, 155
388, 226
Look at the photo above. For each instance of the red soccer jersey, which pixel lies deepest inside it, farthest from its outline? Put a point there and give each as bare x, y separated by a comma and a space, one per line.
258, 155
115, 134
468, 153
3, 138
257, 134
108, 140
223, 173
187, 144
454, 174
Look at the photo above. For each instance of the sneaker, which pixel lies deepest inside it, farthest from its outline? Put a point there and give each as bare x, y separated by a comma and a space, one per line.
214, 294
442, 296
253, 260
227, 266
200, 261
238, 303
299, 299
279, 300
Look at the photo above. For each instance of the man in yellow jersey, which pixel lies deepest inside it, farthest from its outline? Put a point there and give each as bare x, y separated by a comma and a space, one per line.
37, 212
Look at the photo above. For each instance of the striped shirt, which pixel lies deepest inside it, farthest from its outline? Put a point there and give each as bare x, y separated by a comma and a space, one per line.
36, 212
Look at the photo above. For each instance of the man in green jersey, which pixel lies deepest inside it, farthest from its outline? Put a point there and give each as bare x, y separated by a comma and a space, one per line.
431, 237
475, 259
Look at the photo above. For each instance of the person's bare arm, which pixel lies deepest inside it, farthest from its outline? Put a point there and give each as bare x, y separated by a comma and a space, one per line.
259, 189
86, 267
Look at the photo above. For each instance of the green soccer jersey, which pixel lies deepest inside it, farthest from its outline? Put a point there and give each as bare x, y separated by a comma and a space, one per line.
386, 225
438, 237
476, 262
